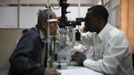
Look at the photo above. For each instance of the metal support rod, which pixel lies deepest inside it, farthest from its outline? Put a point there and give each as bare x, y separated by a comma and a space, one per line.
79, 5
48, 34
48, 29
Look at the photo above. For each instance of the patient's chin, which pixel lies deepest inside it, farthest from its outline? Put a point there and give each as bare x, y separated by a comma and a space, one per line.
54, 37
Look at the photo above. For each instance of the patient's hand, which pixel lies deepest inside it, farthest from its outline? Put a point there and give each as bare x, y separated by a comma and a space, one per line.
79, 57
51, 72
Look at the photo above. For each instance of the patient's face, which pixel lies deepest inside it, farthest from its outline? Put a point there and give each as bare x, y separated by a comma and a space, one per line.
53, 27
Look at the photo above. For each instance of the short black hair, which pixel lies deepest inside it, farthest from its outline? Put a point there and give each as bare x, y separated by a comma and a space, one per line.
99, 10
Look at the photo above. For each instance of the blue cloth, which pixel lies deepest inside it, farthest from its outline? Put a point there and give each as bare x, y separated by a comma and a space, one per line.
26, 58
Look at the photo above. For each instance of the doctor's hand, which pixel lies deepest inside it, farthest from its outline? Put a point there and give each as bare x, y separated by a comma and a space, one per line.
79, 57
51, 72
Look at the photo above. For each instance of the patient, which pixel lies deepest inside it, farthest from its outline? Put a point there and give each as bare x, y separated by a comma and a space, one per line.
28, 56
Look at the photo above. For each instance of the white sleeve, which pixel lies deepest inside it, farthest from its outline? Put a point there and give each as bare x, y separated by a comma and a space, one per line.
115, 52
86, 38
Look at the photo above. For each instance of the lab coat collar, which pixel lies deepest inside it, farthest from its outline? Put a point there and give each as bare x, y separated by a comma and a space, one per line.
107, 27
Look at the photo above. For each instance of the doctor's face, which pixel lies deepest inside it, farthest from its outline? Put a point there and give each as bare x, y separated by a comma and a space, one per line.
91, 23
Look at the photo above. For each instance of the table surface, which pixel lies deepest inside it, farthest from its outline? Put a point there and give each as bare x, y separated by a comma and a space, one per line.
78, 70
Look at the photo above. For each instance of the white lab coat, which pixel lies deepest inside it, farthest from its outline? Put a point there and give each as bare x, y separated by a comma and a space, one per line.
112, 55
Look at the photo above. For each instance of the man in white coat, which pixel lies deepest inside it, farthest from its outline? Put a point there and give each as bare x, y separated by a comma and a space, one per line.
111, 50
